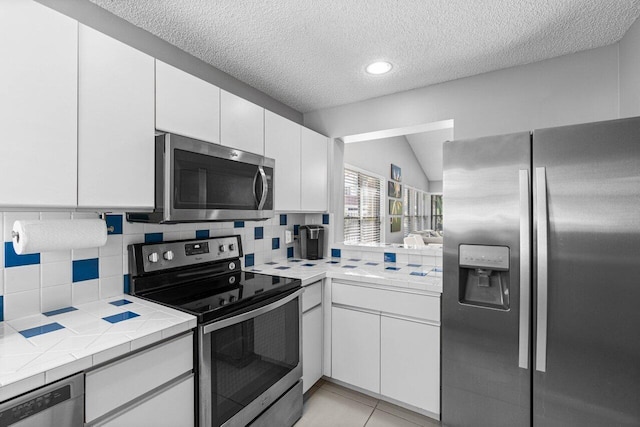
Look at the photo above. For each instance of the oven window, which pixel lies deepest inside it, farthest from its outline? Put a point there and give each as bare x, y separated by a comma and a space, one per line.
249, 357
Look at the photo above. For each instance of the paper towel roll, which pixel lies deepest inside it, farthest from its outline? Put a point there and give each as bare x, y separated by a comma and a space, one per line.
34, 236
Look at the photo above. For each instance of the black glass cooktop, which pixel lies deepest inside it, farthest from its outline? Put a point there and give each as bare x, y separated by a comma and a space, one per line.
218, 297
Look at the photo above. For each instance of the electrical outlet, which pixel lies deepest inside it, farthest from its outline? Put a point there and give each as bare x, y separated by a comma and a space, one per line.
287, 236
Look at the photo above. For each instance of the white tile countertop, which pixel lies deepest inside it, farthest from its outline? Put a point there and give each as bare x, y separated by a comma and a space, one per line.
425, 277
43, 348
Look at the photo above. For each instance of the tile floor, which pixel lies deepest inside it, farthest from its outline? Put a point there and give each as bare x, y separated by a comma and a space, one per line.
328, 404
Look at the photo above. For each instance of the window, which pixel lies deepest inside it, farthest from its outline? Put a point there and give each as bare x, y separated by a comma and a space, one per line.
362, 194
416, 214
436, 212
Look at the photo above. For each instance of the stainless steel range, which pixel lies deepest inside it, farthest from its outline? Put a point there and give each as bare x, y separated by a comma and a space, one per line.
249, 328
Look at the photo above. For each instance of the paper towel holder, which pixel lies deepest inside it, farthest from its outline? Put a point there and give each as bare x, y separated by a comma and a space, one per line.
103, 216
15, 235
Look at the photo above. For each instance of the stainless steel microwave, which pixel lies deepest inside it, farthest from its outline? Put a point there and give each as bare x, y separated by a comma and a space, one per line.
198, 181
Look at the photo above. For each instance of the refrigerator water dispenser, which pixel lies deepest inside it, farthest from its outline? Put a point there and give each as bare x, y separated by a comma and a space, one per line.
484, 276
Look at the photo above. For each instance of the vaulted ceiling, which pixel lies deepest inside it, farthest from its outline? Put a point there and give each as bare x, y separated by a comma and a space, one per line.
311, 54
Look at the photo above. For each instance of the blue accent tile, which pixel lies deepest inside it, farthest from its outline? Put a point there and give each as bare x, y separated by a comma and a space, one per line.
289, 252
12, 259
348, 266
282, 268
333, 262
238, 224
114, 221
355, 259
39, 330
294, 260
120, 302
389, 257
258, 233
275, 243
1, 308
393, 268
249, 260
418, 273
271, 263
153, 237
126, 284
120, 317
335, 253
414, 265
296, 229
372, 263
283, 219
325, 219
437, 270
308, 265
85, 269
202, 234
59, 311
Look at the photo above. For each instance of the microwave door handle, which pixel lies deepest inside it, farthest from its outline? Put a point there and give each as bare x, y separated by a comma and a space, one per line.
265, 187
255, 195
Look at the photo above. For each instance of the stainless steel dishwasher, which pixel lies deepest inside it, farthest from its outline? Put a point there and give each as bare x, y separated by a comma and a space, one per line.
60, 404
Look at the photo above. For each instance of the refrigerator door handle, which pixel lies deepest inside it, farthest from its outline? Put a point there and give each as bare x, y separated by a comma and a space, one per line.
542, 269
525, 272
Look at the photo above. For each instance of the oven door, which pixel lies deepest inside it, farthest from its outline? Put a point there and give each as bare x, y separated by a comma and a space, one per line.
248, 361
205, 182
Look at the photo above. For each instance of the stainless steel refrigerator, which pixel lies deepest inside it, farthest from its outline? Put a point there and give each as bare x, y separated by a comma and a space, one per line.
541, 298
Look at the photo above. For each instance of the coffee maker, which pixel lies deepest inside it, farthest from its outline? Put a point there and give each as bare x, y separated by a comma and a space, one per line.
311, 241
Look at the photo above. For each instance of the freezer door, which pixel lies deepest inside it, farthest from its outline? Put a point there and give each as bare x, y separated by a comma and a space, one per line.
587, 368
486, 200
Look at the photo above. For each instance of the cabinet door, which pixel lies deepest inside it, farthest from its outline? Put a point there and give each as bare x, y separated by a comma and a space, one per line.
311, 347
170, 407
314, 167
241, 124
115, 123
410, 363
355, 356
38, 106
186, 105
282, 143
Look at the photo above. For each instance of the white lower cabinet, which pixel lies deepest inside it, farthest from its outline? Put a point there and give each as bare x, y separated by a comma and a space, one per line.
387, 341
355, 357
154, 385
154, 410
410, 362
312, 335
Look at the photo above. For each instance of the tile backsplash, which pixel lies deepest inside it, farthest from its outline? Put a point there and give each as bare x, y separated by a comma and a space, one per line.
38, 283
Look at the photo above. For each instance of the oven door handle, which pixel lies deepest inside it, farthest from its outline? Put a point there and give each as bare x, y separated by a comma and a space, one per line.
214, 326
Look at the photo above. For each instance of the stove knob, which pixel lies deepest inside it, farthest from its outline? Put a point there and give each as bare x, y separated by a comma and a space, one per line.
222, 248
232, 280
223, 301
232, 265
232, 298
153, 257
232, 247
168, 255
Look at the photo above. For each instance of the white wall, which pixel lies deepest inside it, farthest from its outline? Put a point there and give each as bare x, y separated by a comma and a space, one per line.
630, 72
377, 156
577, 88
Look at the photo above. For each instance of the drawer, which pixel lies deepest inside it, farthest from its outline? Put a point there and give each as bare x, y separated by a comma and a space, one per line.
399, 302
312, 295
120, 382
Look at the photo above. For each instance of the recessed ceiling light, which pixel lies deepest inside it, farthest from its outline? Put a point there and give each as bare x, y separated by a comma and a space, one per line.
380, 67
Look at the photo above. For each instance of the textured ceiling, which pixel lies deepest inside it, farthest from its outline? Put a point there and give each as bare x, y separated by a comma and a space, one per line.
311, 54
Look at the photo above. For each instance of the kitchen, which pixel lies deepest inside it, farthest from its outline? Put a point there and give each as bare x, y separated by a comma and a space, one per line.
68, 111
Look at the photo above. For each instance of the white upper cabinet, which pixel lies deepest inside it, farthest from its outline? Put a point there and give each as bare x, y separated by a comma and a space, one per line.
115, 123
186, 105
282, 143
314, 167
241, 124
38, 105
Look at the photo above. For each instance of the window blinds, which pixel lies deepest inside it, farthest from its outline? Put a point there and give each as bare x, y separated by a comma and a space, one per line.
361, 207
